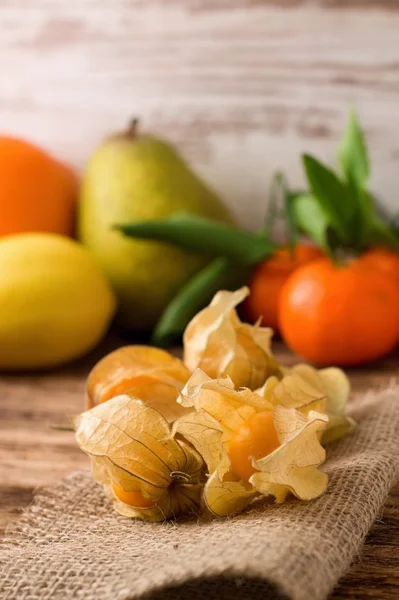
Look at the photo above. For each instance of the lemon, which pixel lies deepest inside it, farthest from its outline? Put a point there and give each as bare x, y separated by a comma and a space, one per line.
55, 303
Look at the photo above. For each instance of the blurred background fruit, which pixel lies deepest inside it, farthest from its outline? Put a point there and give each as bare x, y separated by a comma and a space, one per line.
384, 260
344, 314
37, 192
55, 303
133, 177
268, 280
167, 244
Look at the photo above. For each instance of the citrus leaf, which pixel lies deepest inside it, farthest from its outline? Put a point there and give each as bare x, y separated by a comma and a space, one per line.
204, 236
355, 164
332, 195
362, 219
276, 187
380, 209
292, 226
310, 218
279, 191
394, 223
353, 155
382, 234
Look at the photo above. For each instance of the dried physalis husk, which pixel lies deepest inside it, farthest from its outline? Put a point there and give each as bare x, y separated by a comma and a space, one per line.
151, 374
146, 472
221, 421
225, 493
293, 466
218, 343
305, 388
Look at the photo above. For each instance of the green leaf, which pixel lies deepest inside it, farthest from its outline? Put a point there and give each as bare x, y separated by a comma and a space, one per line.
353, 155
382, 234
394, 222
292, 225
205, 236
276, 187
332, 196
279, 191
362, 219
310, 218
380, 209
355, 165
195, 295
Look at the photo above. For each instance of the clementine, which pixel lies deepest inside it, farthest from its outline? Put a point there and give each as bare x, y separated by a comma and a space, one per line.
37, 193
268, 280
384, 260
344, 314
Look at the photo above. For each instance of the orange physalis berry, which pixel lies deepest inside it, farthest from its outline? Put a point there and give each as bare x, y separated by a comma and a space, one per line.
135, 499
255, 438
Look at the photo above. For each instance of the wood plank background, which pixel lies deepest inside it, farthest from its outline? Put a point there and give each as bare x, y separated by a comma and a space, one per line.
241, 86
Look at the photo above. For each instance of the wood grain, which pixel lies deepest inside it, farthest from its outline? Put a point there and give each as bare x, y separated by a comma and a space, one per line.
33, 454
242, 87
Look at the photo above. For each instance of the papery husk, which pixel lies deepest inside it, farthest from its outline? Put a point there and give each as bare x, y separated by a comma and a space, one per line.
291, 468
130, 445
334, 385
293, 391
204, 433
219, 399
151, 374
226, 494
217, 342
305, 388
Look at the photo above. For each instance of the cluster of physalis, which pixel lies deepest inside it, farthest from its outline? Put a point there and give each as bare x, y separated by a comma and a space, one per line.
218, 430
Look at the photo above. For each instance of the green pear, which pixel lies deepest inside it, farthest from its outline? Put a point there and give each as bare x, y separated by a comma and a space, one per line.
131, 177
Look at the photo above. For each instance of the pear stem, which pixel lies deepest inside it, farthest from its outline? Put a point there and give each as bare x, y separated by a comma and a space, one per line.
132, 129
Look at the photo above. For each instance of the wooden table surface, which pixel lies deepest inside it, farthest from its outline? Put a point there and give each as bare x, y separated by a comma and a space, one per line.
33, 454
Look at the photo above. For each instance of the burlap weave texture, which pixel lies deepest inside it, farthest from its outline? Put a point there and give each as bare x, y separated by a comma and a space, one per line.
70, 544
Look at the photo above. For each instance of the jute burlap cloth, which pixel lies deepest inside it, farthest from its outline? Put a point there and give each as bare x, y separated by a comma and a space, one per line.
70, 544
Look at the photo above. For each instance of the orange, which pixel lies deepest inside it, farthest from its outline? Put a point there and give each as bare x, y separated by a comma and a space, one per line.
37, 193
384, 260
345, 314
135, 499
255, 438
268, 280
